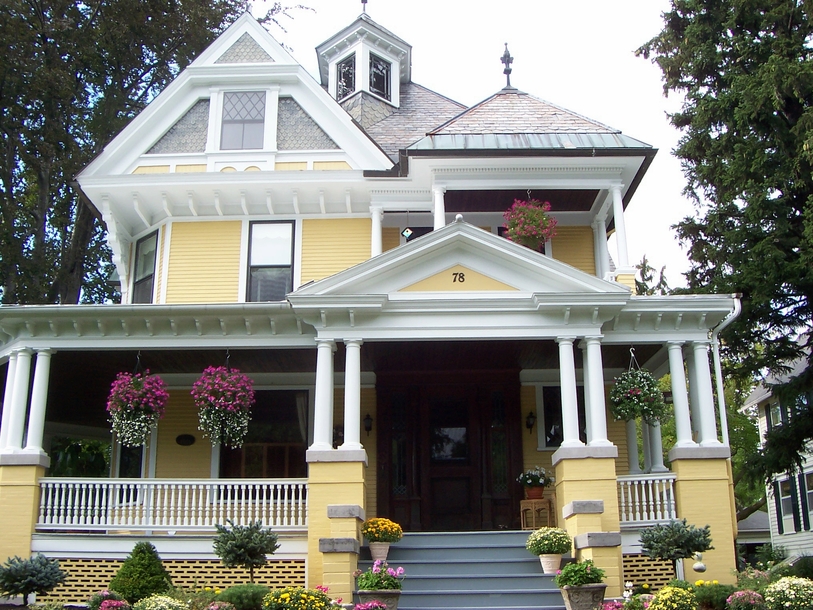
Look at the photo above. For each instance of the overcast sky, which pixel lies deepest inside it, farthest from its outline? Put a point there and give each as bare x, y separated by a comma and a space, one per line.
579, 55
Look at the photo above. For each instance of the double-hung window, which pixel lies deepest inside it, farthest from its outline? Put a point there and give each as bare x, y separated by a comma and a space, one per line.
550, 417
243, 120
144, 269
270, 263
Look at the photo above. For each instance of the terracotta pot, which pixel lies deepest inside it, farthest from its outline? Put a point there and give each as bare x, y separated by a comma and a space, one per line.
379, 550
584, 597
550, 562
534, 493
389, 597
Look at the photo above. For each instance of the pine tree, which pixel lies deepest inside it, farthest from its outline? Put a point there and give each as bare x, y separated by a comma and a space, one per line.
26, 576
142, 574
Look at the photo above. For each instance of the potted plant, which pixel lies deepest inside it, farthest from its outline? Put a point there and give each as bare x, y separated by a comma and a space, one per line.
534, 480
529, 224
636, 394
582, 585
549, 543
380, 533
135, 404
380, 583
224, 397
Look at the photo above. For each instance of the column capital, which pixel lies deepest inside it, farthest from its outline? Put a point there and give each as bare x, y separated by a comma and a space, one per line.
593, 339
354, 341
616, 188
565, 340
438, 189
320, 342
675, 344
702, 343
377, 210
45, 351
22, 350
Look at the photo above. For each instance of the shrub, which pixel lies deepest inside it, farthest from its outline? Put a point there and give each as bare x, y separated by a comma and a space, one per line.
38, 574
713, 596
297, 598
768, 555
803, 567
195, 599
548, 540
114, 604
95, 601
789, 593
674, 541
246, 546
159, 602
746, 600
639, 602
245, 597
751, 579
220, 606
142, 574
673, 598
50, 605
581, 573
379, 529
680, 584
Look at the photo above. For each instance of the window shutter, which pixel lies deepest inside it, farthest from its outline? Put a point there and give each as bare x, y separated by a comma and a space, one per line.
794, 496
803, 498
777, 498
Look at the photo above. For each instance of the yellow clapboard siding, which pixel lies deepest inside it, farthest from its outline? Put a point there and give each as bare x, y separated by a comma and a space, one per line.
151, 169
331, 165
333, 245
204, 262
574, 246
288, 166
172, 461
390, 238
531, 456
159, 264
190, 168
368, 406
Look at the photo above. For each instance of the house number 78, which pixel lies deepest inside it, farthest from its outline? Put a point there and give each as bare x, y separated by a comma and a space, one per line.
458, 277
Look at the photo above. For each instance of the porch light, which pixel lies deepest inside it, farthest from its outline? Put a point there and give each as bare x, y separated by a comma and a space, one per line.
530, 421
368, 424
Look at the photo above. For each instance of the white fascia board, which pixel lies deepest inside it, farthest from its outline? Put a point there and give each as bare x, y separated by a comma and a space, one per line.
246, 23
559, 173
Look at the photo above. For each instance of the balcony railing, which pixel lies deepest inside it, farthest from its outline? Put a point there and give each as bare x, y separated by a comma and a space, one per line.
646, 499
170, 505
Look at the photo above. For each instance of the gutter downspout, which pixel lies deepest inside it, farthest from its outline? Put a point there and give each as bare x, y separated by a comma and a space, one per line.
718, 373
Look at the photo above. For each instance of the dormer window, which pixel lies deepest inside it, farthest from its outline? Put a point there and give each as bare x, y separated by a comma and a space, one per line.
243, 120
346, 77
380, 77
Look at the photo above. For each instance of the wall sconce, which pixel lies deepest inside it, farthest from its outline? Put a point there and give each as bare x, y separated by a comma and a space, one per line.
368, 424
530, 421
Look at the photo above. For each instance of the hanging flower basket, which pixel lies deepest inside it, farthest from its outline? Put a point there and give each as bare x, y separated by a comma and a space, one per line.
636, 394
529, 224
135, 404
224, 398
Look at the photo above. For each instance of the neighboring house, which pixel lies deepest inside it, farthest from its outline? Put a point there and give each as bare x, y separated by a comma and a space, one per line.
752, 533
790, 500
341, 241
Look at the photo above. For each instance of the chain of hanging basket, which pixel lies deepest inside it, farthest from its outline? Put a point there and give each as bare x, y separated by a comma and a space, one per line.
135, 404
636, 394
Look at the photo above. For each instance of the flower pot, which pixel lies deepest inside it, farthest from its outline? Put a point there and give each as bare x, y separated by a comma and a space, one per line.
534, 493
379, 550
389, 597
550, 562
584, 597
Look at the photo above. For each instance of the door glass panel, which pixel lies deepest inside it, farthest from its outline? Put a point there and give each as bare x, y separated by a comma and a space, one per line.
448, 431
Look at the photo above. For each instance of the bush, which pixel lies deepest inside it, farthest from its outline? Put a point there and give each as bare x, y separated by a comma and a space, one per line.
38, 574
245, 597
751, 579
639, 602
114, 604
95, 600
789, 593
675, 541
195, 599
713, 596
50, 605
297, 598
768, 555
674, 598
244, 545
142, 574
746, 600
159, 602
548, 540
680, 584
803, 567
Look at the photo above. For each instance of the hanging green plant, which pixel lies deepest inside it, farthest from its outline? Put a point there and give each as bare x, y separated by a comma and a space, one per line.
636, 394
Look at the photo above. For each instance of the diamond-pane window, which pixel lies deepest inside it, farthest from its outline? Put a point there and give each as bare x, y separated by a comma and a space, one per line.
380, 76
346, 77
243, 120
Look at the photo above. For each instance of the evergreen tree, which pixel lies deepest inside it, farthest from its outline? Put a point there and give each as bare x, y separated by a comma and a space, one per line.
246, 546
142, 574
26, 576
675, 541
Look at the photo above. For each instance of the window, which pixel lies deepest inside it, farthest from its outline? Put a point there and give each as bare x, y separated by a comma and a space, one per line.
270, 269
346, 77
550, 423
775, 414
809, 490
243, 120
786, 498
380, 76
276, 441
144, 269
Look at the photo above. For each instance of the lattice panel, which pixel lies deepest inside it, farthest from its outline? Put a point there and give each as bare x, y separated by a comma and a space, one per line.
87, 576
640, 569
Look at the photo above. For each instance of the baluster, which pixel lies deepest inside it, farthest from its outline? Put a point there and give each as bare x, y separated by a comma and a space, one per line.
623, 500
43, 498
266, 514
636, 500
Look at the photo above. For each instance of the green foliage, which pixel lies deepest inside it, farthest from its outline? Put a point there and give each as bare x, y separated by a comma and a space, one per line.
73, 457
789, 593
713, 597
579, 573
49, 605
549, 540
142, 574
673, 598
95, 600
646, 276
38, 574
246, 546
803, 567
635, 394
297, 598
746, 600
159, 602
638, 602
744, 71
245, 597
675, 540
680, 584
379, 576
195, 599
768, 555
753, 579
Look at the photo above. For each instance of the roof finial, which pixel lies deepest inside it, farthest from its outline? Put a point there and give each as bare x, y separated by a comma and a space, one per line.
364, 6
507, 60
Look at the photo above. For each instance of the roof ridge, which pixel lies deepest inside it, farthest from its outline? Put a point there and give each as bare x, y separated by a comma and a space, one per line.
465, 111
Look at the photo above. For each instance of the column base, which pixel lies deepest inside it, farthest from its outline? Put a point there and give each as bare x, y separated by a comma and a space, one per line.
25, 458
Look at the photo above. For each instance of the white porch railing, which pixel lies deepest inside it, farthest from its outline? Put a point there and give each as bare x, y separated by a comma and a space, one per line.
172, 505
646, 499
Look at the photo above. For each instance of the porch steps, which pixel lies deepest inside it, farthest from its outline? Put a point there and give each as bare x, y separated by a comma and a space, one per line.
470, 570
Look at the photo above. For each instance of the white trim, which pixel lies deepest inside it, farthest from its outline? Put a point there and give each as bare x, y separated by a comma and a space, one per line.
242, 284
297, 237
167, 232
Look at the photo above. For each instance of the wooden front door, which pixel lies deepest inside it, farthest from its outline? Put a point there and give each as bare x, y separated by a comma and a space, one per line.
448, 451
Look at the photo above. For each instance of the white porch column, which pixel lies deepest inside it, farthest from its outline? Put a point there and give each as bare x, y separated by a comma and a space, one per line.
680, 397
39, 395
595, 380
19, 402
646, 432
377, 214
620, 227
570, 405
323, 397
352, 395
632, 447
656, 448
588, 427
705, 397
694, 397
602, 254
439, 207
8, 397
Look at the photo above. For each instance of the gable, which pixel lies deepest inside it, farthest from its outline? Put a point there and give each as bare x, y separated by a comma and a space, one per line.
245, 50
296, 130
188, 134
458, 278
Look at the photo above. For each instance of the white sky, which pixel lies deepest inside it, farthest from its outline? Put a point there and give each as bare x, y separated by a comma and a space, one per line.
578, 55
